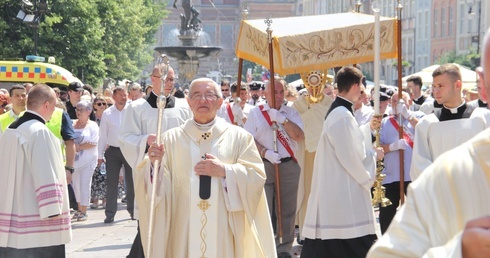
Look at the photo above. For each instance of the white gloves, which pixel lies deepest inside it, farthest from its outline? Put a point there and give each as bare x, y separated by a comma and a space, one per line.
401, 108
273, 157
237, 111
398, 145
276, 116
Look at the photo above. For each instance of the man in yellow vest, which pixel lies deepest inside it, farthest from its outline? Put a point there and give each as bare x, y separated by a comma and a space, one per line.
18, 99
61, 126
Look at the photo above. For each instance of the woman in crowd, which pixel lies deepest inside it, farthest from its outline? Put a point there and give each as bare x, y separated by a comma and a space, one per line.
98, 179
100, 104
87, 136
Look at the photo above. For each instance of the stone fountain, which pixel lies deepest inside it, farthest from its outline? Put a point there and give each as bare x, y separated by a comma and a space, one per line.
188, 54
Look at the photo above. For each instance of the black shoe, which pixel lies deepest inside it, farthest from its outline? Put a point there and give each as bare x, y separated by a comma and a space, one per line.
284, 255
108, 220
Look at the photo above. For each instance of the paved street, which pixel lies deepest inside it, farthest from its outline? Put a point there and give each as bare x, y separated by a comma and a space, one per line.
93, 238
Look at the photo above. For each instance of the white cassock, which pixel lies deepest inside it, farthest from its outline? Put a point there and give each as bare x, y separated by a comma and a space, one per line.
432, 137
233, 222
140, 121
451, 192
33, 187
312, 116
339, 206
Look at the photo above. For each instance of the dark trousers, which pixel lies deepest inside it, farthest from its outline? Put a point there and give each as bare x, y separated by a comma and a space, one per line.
338, 248
387, 213
114, 161
71, 196
137, 250
57, 251
289, 177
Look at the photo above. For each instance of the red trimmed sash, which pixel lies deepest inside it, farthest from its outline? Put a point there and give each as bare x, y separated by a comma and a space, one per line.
230, 113
406, 137
280, 136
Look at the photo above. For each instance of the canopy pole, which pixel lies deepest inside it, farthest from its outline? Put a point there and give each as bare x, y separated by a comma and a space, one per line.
239, 77
272, 87
400, 99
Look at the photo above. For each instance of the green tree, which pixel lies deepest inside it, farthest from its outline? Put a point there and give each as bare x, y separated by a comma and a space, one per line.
93, 39
471, 60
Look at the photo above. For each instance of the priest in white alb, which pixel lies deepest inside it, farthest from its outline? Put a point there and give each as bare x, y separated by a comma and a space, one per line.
448, 127
34, 210
340, 218
210, 199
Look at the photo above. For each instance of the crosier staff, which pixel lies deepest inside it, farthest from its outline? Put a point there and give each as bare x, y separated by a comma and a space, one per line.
161, 102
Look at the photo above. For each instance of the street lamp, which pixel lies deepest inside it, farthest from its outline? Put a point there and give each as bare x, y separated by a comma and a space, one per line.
31, 14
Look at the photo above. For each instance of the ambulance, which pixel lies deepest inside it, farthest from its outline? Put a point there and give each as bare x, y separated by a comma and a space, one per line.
34, 70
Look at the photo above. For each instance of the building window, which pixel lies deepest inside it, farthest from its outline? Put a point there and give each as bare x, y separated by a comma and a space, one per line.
451, 22
426, 22
443, 22
436, 25
419, 26
226, 36
462, 14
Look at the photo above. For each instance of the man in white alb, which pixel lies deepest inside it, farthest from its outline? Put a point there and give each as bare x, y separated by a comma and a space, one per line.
340, 218
448, 127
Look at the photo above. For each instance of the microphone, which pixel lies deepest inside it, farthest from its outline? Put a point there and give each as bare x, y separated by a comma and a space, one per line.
204, 185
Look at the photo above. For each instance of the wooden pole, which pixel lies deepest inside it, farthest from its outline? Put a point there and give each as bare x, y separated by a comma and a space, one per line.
400, 97
239, 78
273, 105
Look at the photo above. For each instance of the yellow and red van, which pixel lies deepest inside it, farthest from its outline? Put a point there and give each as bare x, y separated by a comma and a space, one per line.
34, 70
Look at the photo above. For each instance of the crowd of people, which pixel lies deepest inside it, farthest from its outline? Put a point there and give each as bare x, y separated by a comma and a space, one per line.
236, 168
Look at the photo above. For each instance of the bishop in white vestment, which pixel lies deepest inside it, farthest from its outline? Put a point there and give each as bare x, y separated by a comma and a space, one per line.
140, 127
233, 221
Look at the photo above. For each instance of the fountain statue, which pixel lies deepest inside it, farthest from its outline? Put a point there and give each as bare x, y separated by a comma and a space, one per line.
188, 54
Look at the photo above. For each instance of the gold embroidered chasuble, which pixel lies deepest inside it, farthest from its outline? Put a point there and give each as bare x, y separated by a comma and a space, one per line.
236, 222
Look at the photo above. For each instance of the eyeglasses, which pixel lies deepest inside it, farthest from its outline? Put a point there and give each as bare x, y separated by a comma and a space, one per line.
101, 104
225, 89
109, 105
168, 79
80, 109
208, 97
